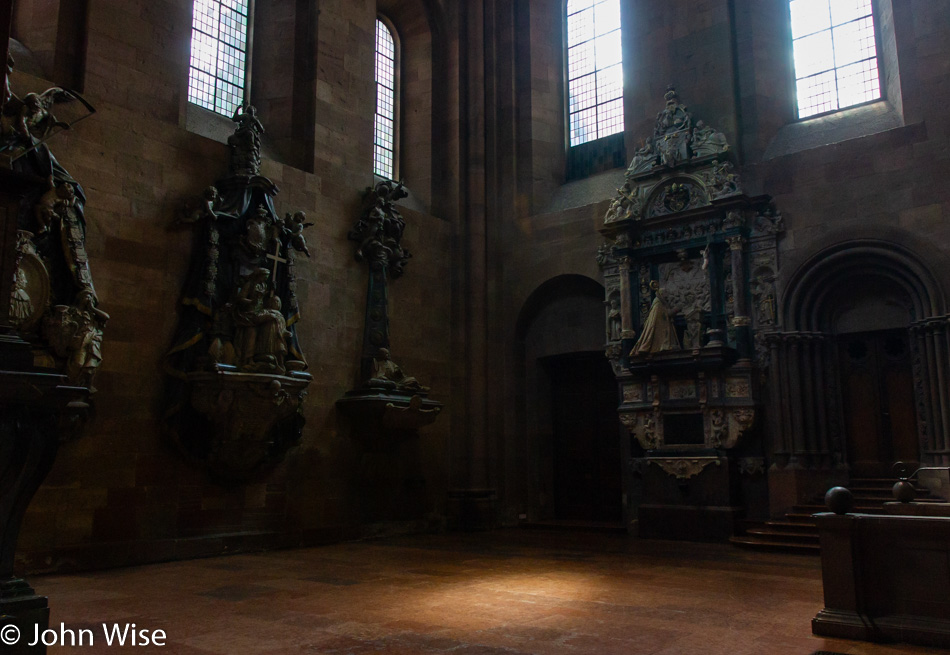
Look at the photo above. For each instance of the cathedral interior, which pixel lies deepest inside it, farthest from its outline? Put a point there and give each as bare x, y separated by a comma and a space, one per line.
476, 326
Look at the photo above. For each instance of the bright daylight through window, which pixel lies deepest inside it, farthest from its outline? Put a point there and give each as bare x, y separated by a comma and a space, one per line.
385, 124
218, 55
594, 69
835, 54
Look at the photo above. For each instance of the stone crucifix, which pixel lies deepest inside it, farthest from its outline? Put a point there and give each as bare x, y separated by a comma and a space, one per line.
378, 234
276, 259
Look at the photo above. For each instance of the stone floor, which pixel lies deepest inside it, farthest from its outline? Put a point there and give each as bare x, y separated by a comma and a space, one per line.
502, 593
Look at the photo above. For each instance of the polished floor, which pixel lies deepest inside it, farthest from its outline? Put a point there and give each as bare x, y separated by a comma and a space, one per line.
508, 592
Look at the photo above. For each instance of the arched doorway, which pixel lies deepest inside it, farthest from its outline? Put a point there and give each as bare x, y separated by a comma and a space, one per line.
860, 367
870, 318
572, 444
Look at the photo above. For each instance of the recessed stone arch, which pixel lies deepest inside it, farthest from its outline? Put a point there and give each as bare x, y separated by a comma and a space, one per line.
850, 287
561, 318
805, 305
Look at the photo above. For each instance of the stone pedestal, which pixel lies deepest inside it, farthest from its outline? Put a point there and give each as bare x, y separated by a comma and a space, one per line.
243, 423
392, 412
36, 410
689, 498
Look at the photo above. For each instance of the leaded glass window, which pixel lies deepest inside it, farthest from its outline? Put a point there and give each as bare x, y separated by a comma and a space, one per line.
594, 69
385, 124
835, 51
218, 54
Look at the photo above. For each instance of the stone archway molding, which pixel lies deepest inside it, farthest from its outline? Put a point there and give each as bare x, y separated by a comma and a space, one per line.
806, 415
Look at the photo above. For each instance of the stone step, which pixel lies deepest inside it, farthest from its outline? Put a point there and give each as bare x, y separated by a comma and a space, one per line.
770, 533
759, 543
798, 533
793, 526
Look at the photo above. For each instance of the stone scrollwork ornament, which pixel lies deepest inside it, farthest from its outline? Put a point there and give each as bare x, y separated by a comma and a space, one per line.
684, 468
54, 304
237, 377
696, 156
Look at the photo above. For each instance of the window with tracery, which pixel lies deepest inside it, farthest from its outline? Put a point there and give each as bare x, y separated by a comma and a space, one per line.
217, 71
384, 156
835, 49
594, 69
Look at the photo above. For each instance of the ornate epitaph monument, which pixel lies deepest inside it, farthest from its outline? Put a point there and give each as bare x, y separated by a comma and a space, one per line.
387, 399
688, 266
50, 324
237, 378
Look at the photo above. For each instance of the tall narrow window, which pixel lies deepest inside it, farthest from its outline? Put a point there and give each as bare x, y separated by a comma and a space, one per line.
835, 54
384, 160
218, 54
594, 69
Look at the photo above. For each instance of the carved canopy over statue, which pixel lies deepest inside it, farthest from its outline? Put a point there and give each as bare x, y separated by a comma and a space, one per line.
239, 315
54, 303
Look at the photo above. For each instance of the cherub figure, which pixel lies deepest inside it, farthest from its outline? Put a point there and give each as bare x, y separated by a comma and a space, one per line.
201, 207
294, 225
55, 202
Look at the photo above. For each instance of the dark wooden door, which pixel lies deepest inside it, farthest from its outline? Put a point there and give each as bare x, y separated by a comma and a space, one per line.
877, 387
587, 462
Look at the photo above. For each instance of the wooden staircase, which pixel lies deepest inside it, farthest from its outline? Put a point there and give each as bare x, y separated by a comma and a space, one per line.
798, 533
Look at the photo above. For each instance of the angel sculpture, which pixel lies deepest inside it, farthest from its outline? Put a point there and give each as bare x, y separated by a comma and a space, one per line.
32, 116
294, 225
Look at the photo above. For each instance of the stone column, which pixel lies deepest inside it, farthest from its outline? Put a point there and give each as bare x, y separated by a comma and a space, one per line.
626, 301
741, 321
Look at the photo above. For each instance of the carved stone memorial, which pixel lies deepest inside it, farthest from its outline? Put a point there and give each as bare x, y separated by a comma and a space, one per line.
387, 400
237, 378
692, 260
51, 325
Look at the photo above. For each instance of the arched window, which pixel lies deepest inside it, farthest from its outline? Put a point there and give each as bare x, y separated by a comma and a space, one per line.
216, 76
594, 69
835, 54
384, 157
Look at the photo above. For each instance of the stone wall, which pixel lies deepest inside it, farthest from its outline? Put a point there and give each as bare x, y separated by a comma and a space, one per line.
875, 172
120, 495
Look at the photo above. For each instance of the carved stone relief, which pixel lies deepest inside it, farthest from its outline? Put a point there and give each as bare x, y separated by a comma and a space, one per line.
686, 285
738, 388
643, 426
682, 389
633, 393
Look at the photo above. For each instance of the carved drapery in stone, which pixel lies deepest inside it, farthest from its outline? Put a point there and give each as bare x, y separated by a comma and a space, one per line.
236, 374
